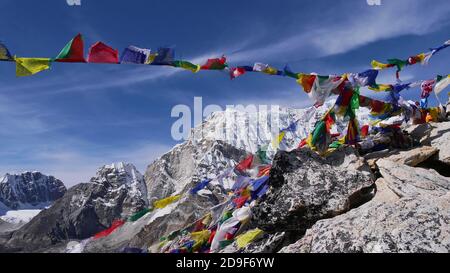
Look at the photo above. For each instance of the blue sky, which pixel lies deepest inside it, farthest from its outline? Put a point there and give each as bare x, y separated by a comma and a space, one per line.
76, 117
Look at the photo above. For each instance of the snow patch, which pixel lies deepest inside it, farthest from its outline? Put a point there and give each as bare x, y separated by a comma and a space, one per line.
20, 216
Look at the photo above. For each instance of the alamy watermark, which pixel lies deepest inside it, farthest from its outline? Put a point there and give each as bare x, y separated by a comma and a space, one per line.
234, 124
374, 2
73, 2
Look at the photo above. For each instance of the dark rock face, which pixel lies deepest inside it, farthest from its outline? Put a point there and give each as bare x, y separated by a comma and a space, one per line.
116, 192
306, 187
29, 189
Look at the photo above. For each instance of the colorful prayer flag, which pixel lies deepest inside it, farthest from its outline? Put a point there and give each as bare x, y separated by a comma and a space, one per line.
135, 55
366, 78
245, 164
236, 72
73, 52
102, 53
187, 65
166, 201
5, 55
164, 56
115, 225
244, 239
200, 186
31, 66
215, 64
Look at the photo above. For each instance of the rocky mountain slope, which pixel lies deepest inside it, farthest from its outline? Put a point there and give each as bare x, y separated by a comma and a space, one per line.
117, 191
23, 196
385, 201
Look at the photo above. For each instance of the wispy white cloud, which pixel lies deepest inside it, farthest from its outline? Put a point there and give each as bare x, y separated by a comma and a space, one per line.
392, 19
22, 118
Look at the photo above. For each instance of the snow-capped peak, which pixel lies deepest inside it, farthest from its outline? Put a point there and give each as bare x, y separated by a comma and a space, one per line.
251, 130
117, 175
29, 190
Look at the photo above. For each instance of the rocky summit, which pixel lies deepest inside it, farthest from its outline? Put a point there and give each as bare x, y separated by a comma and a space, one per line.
395, 199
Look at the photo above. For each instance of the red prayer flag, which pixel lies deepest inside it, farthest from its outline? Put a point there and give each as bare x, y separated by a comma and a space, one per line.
264, 171
101, 53
245, 164
115, 225
365, 130
73, 52
215, 64
236, 72
240, 201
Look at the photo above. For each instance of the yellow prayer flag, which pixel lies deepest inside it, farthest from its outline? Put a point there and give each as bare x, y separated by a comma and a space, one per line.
165, 202
271, 71
248, 237
276, 142
207, 220
31, 66
151, 58
378, 65
201, 236
381, 87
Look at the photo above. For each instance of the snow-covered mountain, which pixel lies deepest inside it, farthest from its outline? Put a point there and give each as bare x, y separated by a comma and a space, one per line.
116, 192
250, 130
23, 196
29, 190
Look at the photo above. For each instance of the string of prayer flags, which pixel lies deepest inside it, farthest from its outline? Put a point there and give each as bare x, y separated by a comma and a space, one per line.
166, 201
422, 58
102, 53
31, 66
215, 64
5, 55
436, 50
73, 52
164, 56
135, 55
187, 65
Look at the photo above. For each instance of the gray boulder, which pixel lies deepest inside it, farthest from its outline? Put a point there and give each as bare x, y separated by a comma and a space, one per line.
306, 187
410, 213
436, 135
